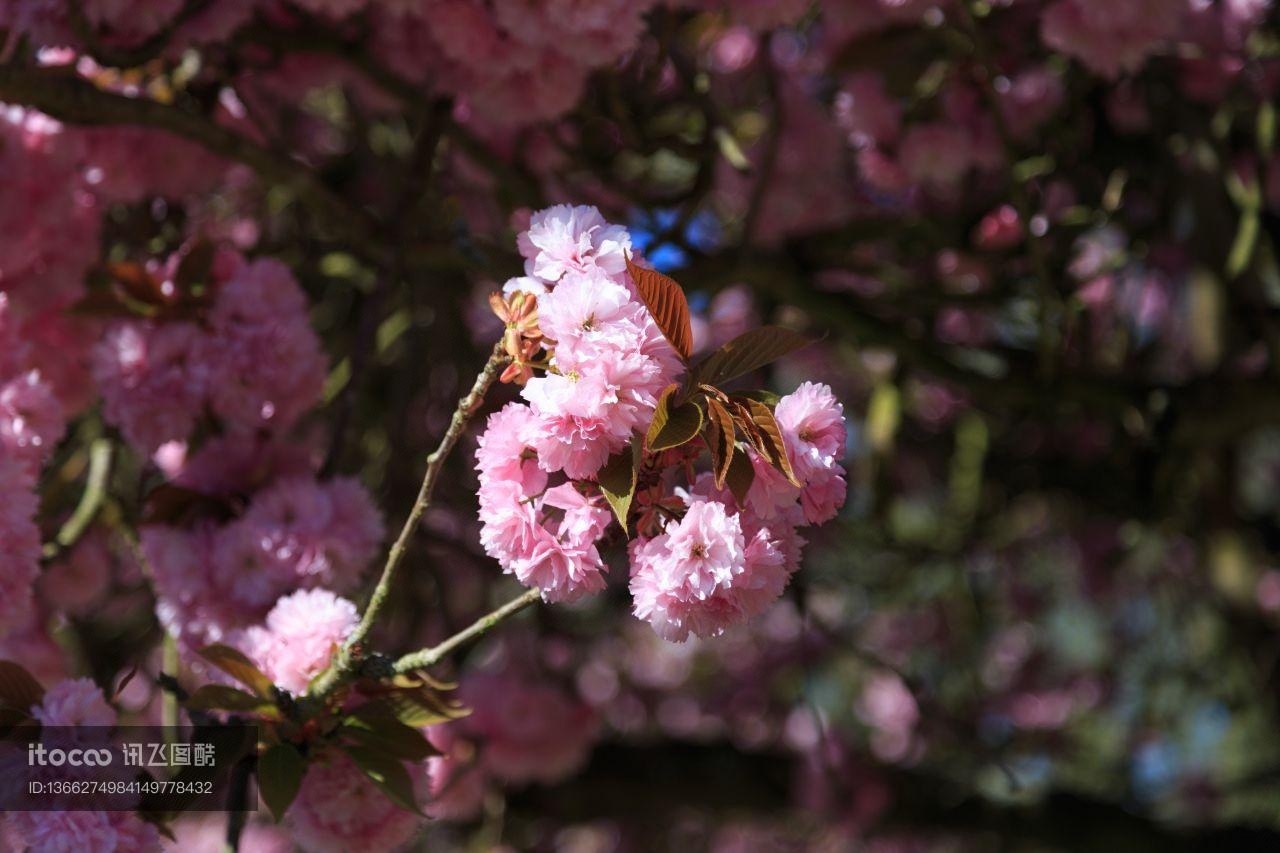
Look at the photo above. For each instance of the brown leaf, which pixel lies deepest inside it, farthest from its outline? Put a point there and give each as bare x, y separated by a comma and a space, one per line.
740, 476
133, 279
673, 425
774, 448
666, 302
239, 667
19, 689
720, 439
747, 352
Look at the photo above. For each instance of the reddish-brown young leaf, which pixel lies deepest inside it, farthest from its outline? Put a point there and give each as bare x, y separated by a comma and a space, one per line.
746, 424
666, 302
775, 449
720, 439
740, 477
136, 283
19, 689
235, 664
747, 352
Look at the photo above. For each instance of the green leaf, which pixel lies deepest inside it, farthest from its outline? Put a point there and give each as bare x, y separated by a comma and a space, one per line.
617, 480
388, 774
774, 448
673, 425
239, 667
740, 476
19, 689
747, 352
422, 707
280, 772
667, 304
769, 398
1245, 241
376, 725
220, 697
720, 439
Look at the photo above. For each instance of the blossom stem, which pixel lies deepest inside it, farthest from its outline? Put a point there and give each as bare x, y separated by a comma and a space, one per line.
431, 656
348, 657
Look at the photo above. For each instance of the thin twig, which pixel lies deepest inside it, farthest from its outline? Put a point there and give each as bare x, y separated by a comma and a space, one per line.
91, 500
429, 657
348, 657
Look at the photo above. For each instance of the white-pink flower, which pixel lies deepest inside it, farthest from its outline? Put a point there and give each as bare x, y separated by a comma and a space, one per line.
75, 702
812, 424
300, 636
565, 238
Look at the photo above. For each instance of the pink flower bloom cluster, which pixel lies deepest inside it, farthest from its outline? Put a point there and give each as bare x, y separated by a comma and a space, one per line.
1111, 38
339, 809
76, 702
299, 636
714, 563
611, 363
49, 222
514, 62
519, 732
122, 23
31, 423
31, 416
296, 533
255, 362
19, 543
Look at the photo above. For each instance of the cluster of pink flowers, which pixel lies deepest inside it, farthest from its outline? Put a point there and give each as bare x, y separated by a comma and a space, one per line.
611, 364
703, 562
520, 731
252, 359
31, 424
298, 637
77, 702
338, 809
296, 532
513, 61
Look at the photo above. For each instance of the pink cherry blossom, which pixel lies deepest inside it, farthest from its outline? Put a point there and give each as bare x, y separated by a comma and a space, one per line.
812, 424
83, 832
1110, 37
565, 239
75, 702
153, 380
529, 731
266, 364
339, 809
19, 541
31, 418
300, 635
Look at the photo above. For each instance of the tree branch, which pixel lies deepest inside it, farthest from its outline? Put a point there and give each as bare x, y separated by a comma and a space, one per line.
348, 657
429, 657
91, 500
66, 96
